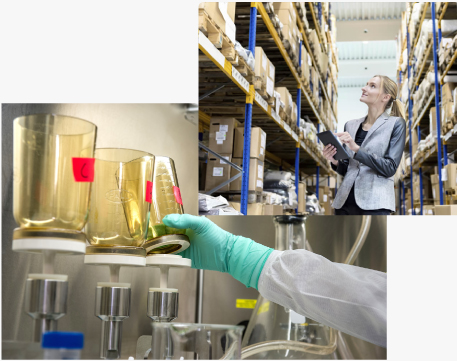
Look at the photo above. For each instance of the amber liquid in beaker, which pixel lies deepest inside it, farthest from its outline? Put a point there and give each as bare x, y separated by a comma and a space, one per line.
119, 212
45, 193
164, 199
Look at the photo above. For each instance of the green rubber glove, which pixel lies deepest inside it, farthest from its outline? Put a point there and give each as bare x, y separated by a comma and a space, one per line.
212, 248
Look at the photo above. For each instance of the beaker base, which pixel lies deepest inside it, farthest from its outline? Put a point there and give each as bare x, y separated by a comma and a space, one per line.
39, 240
118, 255
169, 244
156, 260
114, 259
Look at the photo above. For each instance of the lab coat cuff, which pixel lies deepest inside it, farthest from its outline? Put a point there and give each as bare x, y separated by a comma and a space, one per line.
263, 279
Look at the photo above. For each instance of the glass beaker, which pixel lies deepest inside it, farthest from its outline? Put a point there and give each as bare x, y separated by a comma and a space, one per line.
166, 199
121, 196
53, 166
181, 341
276, 332
290, 232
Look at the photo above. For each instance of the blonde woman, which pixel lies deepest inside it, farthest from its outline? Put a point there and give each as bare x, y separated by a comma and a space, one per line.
375, 145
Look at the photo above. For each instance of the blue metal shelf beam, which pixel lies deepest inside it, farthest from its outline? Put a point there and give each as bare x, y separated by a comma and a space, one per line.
437, 104
248, 121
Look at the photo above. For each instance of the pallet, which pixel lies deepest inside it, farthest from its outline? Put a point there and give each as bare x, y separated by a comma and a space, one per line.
216, 36
244, 69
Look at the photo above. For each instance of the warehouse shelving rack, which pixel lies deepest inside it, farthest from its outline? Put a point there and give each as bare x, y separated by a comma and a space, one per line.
445, 143
242, 101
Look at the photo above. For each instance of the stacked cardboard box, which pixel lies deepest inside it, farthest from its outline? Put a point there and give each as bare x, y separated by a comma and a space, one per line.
254, 209
447, 210
273, 210
326, 199
451, 177
305, 64
435, 188
447, 109
223, 15
221, 141
256, 169
286, 98
264, 72
288, 18
301, 197
257, 157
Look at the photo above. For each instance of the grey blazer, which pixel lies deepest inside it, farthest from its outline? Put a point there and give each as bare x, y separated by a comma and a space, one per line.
371, 170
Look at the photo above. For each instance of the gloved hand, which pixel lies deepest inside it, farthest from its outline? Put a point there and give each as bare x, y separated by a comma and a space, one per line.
212, 248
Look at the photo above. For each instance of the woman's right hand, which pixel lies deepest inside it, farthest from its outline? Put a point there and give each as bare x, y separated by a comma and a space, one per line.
329, 152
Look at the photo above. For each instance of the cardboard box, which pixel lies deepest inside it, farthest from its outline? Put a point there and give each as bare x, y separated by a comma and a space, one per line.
215, 10
428, 210
221, 134
271, 71
324, 63
254, 209
258, 143
261, 64
414, 141
448, 88
285, 16
273, 210
436, 193
328, 206
447, 114
305, 61
286, 98
270, 86
451, 182
294, 113
449, 210
256, 169
278, 6
301, 197
217, 172
432, 117
290, 33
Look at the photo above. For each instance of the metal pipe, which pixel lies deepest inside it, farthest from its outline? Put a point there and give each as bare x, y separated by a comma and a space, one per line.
360, 240
199, 298
237, 167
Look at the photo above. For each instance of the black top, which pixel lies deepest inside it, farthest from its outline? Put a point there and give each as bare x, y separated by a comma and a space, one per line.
385, 166
360, 135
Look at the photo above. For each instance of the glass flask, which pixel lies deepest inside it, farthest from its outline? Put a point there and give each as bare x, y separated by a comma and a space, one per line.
276, 332
166, 199
181, 341
121, 197
53, 166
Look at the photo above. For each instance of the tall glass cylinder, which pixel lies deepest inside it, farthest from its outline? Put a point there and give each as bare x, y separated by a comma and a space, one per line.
121, 197
53, 170
166, 199
290, 232
181, 341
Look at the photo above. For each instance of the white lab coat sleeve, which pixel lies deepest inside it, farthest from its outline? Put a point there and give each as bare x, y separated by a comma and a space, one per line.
347, 298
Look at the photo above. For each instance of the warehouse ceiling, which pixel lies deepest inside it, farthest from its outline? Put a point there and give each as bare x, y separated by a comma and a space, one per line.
347, 11
366, 40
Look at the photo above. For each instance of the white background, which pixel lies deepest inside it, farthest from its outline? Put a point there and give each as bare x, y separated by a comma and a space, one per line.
146, 52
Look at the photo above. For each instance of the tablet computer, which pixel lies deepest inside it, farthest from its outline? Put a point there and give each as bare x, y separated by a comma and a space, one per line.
328, 137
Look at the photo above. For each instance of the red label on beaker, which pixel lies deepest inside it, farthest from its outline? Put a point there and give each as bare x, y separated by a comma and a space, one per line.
177, 193
148, 191
83, 169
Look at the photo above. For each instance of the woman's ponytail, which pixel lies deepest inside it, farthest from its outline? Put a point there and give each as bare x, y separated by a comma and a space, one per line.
398, 109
